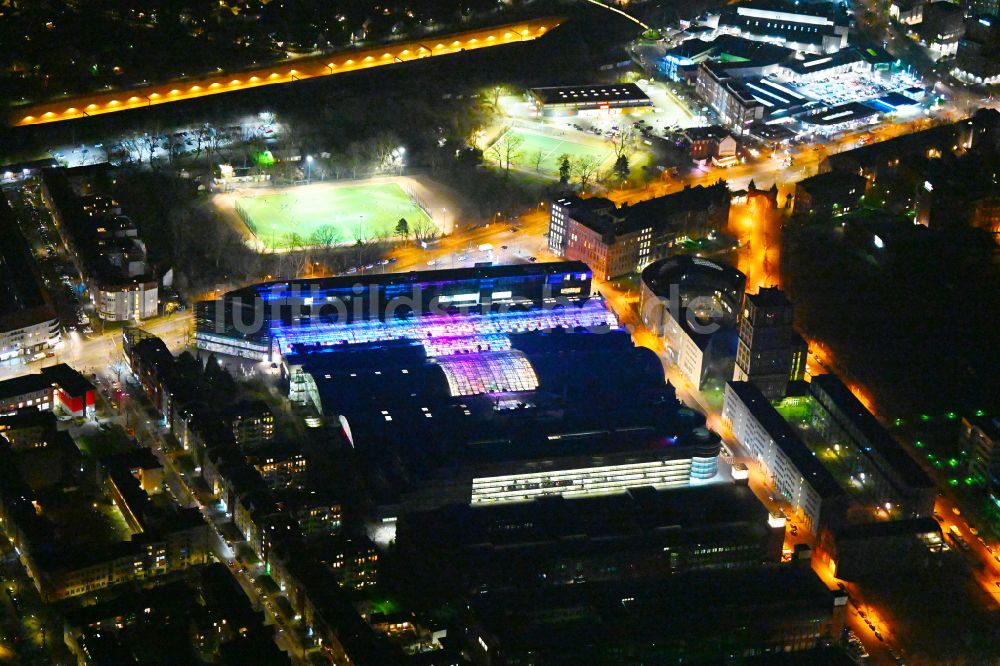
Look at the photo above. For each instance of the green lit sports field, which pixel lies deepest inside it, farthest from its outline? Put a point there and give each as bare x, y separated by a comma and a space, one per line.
552, 147
279, 218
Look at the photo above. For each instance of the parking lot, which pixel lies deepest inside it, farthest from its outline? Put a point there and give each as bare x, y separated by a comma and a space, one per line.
853, 87
154, 147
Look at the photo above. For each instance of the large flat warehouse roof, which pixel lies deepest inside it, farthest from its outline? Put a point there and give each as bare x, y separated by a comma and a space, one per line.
595, 94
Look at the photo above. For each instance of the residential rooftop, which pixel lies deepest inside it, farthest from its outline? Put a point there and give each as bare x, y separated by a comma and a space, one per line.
877, 436
785, 438
605, 218
558, 518
830, 179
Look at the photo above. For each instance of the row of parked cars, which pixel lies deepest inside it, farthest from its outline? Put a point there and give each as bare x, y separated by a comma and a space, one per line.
367, 267
55, 270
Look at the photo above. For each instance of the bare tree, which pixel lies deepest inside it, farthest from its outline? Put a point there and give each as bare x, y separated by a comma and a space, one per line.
201, 137
584, 170
147, 143
174, 149
365, 243
506, 150
338, 163
622, 140
214, 143
536, 160
327, 235
357, 157
130, 149
493, 95
423, 230
300, 263
385, 148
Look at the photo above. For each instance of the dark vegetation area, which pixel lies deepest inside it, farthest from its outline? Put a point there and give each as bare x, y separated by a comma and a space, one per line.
915, 321
85, 45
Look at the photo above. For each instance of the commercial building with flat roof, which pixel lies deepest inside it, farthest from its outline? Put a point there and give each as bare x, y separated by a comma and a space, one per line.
543, 417
796, 473
487, 385
266, 320
841, 117
867, 550
728, 96
694, 617
895, 478
57, 388
590, 99
616, 241
553, 541
811, 27
817, 67
29, 326
744, 55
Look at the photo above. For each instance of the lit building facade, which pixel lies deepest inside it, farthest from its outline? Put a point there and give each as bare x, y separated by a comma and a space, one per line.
598, 99
894, 478
21, 343
813, 28
499, 395
771, 354
981, 436
738, 109
57, 388
252, 422
29, 326
691, 303
266, 321
111, 255
907, 12
787, 463
281, 466
587, 476
126, 302
616, 241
